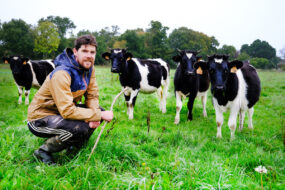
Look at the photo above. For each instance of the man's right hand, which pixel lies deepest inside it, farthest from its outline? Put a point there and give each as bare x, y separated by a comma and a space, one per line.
107, 115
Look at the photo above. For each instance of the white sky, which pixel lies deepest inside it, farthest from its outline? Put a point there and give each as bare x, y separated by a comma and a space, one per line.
232, 22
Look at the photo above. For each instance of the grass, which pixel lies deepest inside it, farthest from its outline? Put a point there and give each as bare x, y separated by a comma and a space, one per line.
184, 156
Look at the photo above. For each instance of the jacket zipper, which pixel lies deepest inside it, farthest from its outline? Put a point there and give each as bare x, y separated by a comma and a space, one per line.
84, 80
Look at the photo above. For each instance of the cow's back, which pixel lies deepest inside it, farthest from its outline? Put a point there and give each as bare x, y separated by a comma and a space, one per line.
41, 69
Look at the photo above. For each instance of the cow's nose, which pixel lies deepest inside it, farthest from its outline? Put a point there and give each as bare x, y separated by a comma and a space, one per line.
189, 73
114, 70
219, 87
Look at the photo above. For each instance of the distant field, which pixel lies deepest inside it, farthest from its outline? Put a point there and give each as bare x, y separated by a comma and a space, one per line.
184, 156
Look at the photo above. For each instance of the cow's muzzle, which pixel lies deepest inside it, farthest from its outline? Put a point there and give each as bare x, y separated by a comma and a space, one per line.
114, 70
189, 73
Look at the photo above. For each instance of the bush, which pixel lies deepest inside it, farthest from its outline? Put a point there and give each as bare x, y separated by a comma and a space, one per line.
261, 63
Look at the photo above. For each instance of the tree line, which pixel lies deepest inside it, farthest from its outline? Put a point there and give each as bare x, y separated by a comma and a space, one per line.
49, 38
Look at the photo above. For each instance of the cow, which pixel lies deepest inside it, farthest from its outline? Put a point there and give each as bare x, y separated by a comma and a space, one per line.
235, 86
28, 73
139, 75
187, 83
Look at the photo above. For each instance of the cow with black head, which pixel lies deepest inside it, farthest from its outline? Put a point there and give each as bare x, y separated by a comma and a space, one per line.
139, 75
235, 86
187, 83
28, 73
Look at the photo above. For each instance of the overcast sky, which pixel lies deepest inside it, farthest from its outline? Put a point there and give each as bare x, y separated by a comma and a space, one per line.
232, 22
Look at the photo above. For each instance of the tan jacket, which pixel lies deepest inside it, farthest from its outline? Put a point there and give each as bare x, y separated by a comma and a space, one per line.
55, 97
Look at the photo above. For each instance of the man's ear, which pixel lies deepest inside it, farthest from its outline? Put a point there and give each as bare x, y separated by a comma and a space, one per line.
176, 58
128, 56
106, 55
25, 60
235, 65
6, 60
200, 66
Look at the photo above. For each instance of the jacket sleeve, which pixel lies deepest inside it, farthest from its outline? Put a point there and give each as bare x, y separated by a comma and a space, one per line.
63, 98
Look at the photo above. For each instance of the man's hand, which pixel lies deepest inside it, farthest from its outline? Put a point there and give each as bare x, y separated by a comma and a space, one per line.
94, 124
107, 115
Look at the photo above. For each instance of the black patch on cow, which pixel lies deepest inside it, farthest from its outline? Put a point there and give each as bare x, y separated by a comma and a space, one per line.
253, 84
25, 77
130, 75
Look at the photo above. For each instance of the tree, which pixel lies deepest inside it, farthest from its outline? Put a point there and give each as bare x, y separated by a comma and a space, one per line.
46, 38
135, 40
261, 63
228, 50
156, 40
16, 38
184, 38
63, 24
261, 49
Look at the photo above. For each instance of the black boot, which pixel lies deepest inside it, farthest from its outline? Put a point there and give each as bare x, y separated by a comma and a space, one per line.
44, 153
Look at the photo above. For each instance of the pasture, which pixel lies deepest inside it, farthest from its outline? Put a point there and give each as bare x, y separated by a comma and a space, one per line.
131, 155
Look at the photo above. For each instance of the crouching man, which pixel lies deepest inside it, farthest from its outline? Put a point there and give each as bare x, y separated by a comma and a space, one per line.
54, 112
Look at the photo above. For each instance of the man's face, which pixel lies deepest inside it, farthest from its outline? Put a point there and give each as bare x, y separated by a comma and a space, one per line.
85, 55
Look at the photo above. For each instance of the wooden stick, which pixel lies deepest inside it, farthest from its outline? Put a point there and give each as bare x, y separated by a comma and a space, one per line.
103, 127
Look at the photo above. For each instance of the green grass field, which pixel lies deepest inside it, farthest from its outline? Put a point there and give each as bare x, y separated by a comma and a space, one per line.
184, 156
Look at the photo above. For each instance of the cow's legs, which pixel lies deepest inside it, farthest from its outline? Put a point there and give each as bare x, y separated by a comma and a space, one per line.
164, 95
250, 114
20, 92
219, 121
233, 120
131, 100
160, 97
204, 102
190, 105
27, 93
178, 107
241, 119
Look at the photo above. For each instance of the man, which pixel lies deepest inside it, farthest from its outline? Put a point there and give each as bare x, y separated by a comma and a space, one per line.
54, 112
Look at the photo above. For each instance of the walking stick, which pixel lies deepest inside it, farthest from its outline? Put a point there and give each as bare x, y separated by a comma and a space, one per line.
98, 138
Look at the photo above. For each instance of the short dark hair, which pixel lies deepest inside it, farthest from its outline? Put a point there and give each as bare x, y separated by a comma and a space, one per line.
85, 40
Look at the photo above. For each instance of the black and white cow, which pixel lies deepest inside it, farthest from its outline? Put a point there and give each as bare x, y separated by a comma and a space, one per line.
235, 86
187, 83
139, 75
28, 73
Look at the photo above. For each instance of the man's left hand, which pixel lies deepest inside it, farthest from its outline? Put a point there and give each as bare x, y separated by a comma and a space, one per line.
94, 124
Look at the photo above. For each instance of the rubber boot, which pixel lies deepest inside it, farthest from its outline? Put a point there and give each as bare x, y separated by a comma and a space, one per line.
44, 153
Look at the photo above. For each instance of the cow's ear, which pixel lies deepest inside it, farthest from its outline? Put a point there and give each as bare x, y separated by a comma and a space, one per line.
106, 55
235, 65
128, 56
25, 60
6, 60
176, 58
200, 66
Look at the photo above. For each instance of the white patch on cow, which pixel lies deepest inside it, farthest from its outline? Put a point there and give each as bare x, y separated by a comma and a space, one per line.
20, 91
49, 61
179, 96
15, 58
218, 60
117, 51
189, 55
144, 86
27, 93
35, 82
203, 96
